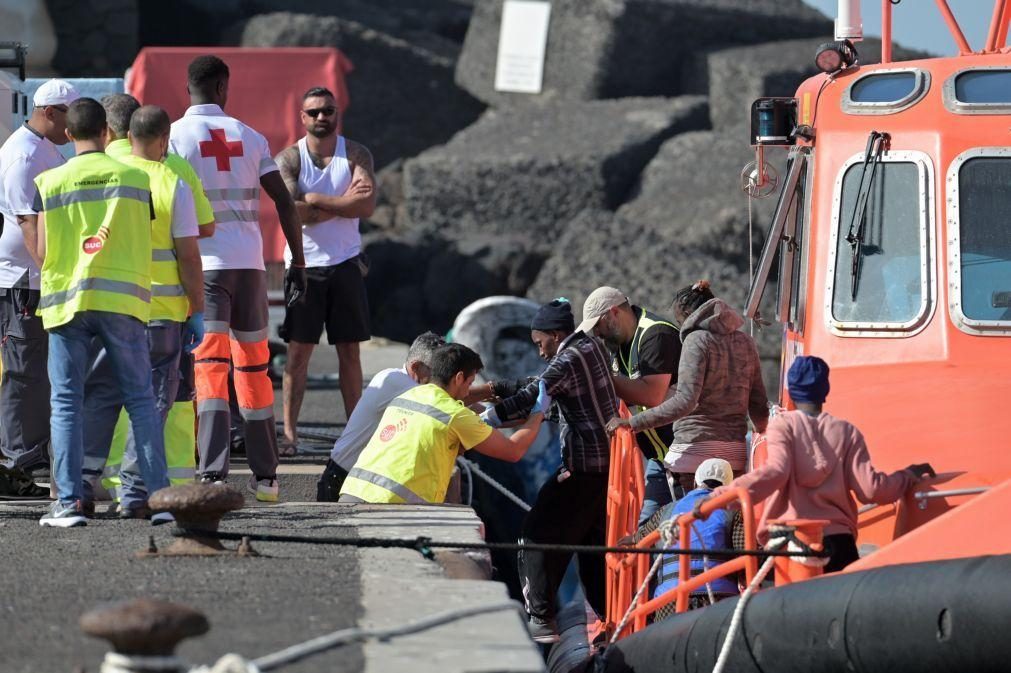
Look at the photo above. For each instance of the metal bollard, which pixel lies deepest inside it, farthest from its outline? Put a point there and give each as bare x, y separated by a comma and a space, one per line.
196, 507
144, 634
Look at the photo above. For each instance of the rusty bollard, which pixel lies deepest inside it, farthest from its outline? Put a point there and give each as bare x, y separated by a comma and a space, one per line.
144, 634
196, 507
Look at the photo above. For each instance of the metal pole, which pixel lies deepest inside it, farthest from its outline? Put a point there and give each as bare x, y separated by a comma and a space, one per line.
886, 31
956, 31
995, 21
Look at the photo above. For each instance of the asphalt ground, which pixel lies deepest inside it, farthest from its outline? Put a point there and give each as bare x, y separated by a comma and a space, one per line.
255, 605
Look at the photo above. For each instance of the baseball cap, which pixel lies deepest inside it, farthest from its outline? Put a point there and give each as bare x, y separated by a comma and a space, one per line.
55, 92
716, 469
600, 301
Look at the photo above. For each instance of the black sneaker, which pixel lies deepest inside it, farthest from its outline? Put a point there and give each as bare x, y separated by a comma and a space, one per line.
138, 512
544, 631
15, 484
64, 516
211, 478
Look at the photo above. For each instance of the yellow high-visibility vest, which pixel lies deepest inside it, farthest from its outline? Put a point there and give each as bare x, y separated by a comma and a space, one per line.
647, 319
205, 212
98, 239
410, 457
168, 298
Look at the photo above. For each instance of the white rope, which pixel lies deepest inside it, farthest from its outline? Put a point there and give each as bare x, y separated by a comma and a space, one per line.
115, 662
476, 469
705, 564
666, 530
735, 622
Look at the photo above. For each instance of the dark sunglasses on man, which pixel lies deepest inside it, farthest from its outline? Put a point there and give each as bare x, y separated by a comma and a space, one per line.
327, 111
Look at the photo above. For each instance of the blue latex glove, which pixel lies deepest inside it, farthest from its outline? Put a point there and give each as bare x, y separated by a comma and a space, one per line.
491, 418
543, 402
193, 332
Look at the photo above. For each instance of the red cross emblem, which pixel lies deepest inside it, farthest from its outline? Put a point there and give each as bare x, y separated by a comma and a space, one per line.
221, 149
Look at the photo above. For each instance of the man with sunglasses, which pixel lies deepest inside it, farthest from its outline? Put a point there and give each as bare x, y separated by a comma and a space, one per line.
24, 390
233, 162
332, 181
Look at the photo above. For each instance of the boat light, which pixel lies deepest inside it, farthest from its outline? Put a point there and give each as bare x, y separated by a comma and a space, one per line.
835, 56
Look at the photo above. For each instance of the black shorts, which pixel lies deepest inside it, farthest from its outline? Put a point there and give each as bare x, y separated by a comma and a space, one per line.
335, 297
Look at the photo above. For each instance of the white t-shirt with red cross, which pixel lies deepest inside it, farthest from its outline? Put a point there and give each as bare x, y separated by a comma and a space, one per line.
229, 157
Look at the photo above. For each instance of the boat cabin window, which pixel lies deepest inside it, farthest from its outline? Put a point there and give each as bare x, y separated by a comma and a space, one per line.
878, 281
979, 91
980, 240
885, 91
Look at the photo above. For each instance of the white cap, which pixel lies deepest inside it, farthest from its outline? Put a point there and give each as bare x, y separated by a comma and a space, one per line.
55, 92
716, 469
600, 301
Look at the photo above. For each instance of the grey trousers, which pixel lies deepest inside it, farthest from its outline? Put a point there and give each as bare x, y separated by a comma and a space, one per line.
235, 317
24, 387
103, 403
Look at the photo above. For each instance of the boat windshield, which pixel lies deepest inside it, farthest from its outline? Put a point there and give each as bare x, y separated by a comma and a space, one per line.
984, 238
879, 279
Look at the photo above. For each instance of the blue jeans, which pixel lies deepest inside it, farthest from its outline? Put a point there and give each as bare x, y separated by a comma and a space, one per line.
657, 492
103, 402
125, 341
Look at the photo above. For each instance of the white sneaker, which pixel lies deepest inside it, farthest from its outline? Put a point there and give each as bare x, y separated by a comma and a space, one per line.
265, 489
64, 516
159, 518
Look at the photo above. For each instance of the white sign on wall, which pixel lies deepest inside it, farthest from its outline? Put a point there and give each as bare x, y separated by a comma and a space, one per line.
522, 41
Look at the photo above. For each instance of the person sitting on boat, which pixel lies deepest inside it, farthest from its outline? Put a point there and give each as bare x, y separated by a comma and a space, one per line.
719, 385
718, 531
410, 457
815, 463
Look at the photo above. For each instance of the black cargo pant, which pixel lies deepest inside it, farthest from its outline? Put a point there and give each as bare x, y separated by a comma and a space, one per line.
24, 387
328, 488
571, 511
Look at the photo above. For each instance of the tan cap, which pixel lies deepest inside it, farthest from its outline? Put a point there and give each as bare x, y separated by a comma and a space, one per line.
600, 301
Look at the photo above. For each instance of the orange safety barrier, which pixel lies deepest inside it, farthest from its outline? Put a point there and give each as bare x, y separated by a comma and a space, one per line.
626, 572
625, 491
686, 583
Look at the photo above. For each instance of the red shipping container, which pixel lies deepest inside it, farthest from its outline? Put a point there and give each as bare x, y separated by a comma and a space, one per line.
264, 91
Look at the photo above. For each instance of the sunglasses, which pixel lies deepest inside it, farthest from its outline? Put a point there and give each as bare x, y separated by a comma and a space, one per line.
328, 111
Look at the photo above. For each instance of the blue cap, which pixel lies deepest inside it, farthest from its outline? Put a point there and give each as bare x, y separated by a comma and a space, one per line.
807, 380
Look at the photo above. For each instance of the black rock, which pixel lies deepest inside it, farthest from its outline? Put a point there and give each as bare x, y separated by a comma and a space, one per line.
403, 99
418, 282
615, 48
525, 172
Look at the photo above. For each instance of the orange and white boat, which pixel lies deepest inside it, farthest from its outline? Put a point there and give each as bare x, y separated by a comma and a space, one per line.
891, 244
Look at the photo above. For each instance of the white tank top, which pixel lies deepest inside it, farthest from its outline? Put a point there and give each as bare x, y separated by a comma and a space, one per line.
335, 240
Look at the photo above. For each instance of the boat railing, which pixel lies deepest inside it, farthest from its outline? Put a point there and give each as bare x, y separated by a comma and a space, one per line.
625, 491
687, 582
627, 572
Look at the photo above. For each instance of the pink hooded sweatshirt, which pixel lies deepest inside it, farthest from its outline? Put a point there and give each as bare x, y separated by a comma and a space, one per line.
814, 464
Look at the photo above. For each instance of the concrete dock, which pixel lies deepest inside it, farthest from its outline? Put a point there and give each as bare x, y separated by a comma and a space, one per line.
289, 594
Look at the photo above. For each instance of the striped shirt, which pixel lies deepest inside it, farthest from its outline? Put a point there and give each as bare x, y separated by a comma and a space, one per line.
688, 457
229, 157
578, 379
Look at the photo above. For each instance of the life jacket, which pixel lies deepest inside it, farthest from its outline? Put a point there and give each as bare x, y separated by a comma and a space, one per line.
713, 533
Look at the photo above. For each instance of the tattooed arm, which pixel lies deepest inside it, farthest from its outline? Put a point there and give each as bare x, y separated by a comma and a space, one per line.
289, 164
360, 198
